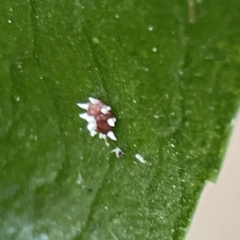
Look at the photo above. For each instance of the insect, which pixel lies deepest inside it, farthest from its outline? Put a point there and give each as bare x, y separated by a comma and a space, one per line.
118, 151
99, 117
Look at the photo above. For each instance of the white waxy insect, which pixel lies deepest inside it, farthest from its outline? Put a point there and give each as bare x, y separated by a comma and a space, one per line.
99, 118
140, 158
118, 151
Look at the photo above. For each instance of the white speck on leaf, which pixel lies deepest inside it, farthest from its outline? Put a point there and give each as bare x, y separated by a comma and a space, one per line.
118, 151
140, 158
79, 179
150, 28
154, 49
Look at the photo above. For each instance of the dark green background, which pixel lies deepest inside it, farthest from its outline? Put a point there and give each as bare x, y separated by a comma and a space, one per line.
174, 87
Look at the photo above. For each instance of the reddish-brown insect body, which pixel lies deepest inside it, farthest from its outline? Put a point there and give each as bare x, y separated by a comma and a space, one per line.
99, 117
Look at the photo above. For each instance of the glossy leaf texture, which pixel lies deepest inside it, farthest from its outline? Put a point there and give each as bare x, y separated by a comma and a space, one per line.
170, 73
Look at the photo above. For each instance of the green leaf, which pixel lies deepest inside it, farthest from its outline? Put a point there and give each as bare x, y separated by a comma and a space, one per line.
173, 86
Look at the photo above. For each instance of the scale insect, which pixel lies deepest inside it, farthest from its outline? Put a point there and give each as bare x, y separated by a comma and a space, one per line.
99, 118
